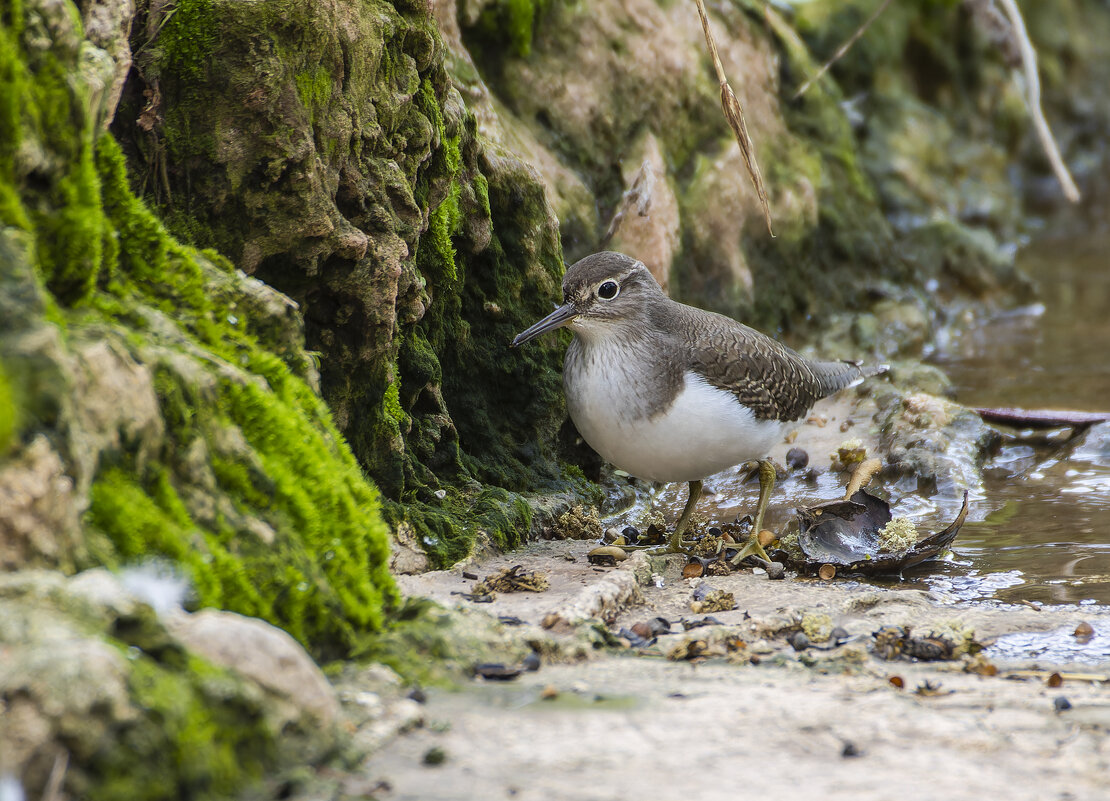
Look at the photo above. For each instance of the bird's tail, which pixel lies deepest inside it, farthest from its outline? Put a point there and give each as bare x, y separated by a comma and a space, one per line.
835, 376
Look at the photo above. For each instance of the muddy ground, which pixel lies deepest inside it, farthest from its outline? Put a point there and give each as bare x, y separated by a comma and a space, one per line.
753, 717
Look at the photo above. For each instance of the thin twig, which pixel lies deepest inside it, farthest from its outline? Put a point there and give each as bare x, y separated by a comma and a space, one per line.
53, 789
844, 48
1042, 418
734, 113
1033, 99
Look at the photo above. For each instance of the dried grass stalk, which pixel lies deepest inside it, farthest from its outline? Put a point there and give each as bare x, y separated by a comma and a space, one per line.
734, 113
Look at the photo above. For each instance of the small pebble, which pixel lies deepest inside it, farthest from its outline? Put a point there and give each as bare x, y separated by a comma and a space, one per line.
1061, 703
849, 750
799, 641
776, 571
495, 671
549, 693
418, 695
797, 458
435, 756
1084, 631
531, 662
839, 634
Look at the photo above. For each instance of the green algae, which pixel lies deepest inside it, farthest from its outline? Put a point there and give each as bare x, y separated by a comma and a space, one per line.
246, 484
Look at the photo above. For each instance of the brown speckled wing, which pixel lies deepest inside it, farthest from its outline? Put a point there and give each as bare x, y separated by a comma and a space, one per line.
775, 382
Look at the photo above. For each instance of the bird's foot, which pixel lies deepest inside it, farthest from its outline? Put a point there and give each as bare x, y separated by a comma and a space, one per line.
751, 548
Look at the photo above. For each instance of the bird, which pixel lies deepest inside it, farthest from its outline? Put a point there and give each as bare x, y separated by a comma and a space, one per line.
672, 393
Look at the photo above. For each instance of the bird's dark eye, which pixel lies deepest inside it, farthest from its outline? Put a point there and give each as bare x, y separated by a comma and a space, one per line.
608, 290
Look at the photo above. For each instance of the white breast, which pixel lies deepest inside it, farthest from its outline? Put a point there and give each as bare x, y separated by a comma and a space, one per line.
702, 432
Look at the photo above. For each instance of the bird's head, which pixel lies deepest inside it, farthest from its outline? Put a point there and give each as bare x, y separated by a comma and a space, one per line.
600, 293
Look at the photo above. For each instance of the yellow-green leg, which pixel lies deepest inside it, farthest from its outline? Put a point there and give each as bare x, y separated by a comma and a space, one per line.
766, 484
675, 544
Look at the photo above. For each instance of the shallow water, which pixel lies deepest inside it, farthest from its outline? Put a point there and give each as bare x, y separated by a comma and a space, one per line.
1046, 533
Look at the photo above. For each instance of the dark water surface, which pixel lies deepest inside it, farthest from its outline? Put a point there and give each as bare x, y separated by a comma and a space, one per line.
1046, 536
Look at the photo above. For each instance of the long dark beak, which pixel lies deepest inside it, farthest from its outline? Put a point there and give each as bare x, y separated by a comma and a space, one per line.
557, 319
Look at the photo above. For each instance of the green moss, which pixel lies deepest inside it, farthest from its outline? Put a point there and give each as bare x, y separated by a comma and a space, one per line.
512, 22
112, 271
428, 394
9, 413
189, 36
197, 736
314, 87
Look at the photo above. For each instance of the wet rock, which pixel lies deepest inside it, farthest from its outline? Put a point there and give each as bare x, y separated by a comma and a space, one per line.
934, 439
495, 671
1094, 446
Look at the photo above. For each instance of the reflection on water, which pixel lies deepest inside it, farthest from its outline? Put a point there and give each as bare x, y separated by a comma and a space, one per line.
1059, 358
1047, 536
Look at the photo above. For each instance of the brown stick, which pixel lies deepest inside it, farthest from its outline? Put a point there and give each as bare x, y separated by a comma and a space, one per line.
840, 51
1042, 418
734, 113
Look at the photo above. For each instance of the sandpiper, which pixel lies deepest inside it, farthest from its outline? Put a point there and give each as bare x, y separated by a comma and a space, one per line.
669, 392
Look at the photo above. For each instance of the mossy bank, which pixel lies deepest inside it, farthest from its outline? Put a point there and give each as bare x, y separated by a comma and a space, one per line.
157, 405
324, 149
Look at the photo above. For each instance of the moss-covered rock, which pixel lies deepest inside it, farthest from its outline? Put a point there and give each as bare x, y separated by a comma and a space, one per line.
158, 392
93, 680
353, 180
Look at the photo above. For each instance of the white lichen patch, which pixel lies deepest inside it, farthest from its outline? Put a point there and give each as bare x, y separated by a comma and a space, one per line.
897, 536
